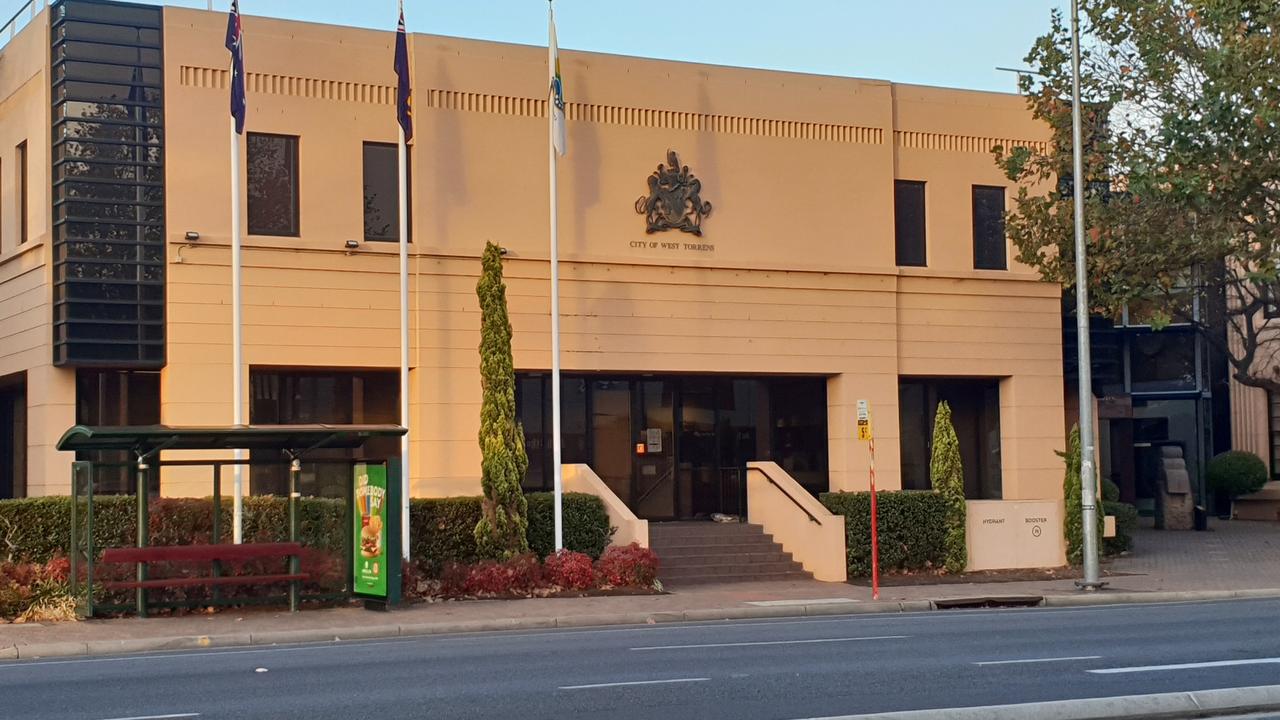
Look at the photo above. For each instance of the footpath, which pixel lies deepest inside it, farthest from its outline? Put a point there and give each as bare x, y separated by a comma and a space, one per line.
1232, 560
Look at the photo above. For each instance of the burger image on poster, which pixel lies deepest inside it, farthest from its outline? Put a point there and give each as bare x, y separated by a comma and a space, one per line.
371, 538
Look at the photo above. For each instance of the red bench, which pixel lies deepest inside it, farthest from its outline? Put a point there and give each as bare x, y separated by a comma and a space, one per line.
203, 553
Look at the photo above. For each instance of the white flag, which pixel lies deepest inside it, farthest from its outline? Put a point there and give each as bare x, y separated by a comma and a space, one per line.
556, 91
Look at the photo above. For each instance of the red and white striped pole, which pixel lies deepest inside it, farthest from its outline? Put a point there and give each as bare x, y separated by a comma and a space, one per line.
875, 540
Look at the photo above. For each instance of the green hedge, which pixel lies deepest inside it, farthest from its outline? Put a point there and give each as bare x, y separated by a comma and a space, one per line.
36, 529
912, 529
1126, 522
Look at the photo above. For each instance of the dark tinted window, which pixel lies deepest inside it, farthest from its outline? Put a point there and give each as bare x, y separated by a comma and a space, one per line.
287, 397
975, 414
988, 228
22, 192
273, 184
117, 397
382, 192
908, 222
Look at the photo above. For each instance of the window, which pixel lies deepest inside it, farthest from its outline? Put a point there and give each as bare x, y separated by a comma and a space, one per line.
13, 436
117, 397
988, 228
22, 192
273, 184
1163, 361
382, 192
975, 413
908, 222
1273, 409
335, 397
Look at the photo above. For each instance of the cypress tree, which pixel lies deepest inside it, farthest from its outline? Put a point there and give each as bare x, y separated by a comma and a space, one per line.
947, 474
1073, 523
500, 533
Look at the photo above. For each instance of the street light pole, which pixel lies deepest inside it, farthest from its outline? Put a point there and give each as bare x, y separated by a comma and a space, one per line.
1088, 482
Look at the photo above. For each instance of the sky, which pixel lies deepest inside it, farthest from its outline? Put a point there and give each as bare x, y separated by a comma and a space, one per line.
930, 42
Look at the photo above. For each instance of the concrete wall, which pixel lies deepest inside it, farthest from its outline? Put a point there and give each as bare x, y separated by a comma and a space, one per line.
804, 527
26, 268
795, 274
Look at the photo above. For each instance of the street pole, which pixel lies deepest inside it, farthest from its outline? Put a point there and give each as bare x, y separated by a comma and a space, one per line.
1088, 483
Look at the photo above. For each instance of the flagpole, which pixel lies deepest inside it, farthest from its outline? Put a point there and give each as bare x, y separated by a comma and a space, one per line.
555, 295
404, 342
237, 349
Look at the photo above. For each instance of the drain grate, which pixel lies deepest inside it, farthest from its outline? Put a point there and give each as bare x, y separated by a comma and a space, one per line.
995, 601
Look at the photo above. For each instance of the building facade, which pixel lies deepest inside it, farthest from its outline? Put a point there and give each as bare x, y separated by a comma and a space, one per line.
851, 248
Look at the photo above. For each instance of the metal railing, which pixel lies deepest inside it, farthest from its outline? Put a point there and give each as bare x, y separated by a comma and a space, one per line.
29, 9
794, 501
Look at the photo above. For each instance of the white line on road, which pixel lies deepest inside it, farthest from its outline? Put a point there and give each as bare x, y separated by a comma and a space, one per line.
158, 717
1039, 660
211, 652
771, 642
634, 682
1187, 666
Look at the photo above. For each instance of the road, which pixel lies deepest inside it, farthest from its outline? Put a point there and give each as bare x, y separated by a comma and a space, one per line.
780, 670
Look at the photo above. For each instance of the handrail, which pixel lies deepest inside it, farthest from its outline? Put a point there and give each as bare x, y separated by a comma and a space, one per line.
794, 501
31, 7
656, 484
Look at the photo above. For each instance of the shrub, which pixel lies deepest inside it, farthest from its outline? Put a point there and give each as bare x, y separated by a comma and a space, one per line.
1126, 521
947, 475
586, 524
570, 570
518, 575
912, 529
629, 566
32, 592
1110, 491
1073, 523
1237, 473
37, 529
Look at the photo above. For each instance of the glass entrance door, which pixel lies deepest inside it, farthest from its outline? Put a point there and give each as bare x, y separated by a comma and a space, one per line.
654, 486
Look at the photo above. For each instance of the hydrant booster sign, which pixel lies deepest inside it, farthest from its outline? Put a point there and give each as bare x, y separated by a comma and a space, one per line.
370, 530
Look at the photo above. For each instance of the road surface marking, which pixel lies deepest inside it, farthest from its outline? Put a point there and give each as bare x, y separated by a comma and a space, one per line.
1187, 666
158, 717
1039, 660
634, 682
770, 642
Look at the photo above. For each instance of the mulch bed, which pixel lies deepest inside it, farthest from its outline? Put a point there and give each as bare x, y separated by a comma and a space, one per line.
928, 577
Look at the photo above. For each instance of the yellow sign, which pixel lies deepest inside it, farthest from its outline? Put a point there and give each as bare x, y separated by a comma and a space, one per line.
864, 420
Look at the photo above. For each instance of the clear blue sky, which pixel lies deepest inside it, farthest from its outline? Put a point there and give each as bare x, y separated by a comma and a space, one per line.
931, 42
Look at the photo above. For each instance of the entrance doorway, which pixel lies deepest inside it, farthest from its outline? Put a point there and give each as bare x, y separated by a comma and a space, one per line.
676, 447
13, 436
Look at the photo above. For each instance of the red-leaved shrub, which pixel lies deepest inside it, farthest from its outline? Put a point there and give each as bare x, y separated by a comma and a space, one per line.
570, 570
628, 566
519, 575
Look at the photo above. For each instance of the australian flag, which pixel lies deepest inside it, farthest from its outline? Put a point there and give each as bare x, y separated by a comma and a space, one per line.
404, 94
235, 43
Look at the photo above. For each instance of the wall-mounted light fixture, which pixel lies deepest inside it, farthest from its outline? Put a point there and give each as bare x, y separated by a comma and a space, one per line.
352, 244
191, 236
503, 251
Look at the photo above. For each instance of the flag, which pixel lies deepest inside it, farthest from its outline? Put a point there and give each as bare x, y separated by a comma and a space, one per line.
235, 43
558, 138
404, 93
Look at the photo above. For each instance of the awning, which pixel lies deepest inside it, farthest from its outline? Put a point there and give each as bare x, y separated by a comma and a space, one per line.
147, 439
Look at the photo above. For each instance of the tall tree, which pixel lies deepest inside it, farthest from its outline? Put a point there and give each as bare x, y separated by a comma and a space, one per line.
946, 472
500, 533
1182, 162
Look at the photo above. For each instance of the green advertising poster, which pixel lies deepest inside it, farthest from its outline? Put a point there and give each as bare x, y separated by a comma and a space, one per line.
370, 557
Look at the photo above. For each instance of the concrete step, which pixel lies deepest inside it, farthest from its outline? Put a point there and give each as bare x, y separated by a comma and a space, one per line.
718, 569
681, 581
758, 543
701, 529
730, 558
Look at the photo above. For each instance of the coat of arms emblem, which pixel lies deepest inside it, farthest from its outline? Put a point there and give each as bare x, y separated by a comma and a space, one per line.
675, 199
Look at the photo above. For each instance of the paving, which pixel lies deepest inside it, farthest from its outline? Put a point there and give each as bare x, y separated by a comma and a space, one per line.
1233, 559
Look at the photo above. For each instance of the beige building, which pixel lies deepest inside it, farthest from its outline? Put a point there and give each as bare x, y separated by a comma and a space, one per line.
853, 250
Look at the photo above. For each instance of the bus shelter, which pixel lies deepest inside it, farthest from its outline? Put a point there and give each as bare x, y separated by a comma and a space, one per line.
368, 508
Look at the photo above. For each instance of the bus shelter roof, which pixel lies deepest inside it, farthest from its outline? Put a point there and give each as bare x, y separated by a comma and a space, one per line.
147, 439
